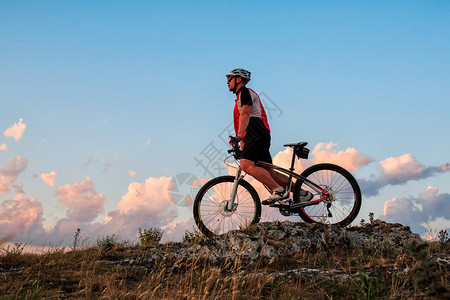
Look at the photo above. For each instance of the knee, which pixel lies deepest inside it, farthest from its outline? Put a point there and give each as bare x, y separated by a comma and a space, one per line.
246, 166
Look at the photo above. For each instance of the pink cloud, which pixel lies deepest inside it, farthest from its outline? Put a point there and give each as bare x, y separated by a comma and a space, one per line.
83, 201
175, 230
428, 206
127, 223
399, 170
283, 159
3, 147
49, 178
106, 168
21, 217
10, 173
402, 168
132, 173
144, 205
153, 194
89, 161
349, 159
16, 131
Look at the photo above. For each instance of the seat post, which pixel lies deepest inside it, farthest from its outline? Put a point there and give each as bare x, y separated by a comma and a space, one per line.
293, 160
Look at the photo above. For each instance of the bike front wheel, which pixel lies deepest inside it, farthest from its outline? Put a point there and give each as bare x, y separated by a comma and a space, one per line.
344, 202
210, 206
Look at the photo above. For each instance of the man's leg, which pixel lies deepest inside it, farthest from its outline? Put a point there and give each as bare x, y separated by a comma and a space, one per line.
280, 178
259, 173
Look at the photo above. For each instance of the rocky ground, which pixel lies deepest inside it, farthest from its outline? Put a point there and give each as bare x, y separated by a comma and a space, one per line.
269, 260
270, 241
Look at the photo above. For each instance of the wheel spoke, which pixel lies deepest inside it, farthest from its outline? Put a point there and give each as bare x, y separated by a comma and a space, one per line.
345, 198
211, 206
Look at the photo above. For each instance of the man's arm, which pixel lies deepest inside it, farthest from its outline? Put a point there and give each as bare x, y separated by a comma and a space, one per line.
244, 118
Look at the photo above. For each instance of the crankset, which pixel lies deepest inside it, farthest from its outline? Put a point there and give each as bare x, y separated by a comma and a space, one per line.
285, 211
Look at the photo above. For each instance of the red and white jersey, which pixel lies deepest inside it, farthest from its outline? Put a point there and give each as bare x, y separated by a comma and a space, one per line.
246, 96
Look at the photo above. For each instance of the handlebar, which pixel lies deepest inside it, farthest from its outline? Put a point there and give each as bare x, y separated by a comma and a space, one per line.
236, 149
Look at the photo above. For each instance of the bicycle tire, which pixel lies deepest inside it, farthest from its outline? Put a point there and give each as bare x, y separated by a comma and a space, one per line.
347, 200
210, 201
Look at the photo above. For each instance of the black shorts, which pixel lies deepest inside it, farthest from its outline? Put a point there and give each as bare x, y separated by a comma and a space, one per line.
257, 143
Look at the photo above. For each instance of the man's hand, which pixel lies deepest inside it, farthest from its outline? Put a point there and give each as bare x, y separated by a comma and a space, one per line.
234, 140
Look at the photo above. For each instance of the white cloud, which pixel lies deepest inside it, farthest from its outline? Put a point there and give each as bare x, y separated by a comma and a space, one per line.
49, 178
16, 131
3, 147
148, 142
429, 206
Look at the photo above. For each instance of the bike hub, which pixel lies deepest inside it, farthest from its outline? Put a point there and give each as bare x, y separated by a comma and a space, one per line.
331, 197
223, 208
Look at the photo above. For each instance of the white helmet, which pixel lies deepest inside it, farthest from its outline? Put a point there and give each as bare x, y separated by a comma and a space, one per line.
239, 72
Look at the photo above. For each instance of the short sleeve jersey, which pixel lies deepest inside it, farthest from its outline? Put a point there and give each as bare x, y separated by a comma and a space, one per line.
246, 96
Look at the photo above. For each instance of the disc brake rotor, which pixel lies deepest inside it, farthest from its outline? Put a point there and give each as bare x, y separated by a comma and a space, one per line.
331, 197
223, 208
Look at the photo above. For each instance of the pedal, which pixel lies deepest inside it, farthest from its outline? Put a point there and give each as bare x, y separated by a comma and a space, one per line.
281, 203
285, 212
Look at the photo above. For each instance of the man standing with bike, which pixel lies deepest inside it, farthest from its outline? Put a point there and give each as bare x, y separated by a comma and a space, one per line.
253, 131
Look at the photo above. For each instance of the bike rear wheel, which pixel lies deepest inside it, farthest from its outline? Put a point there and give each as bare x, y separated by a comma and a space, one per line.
210, 213
345, 202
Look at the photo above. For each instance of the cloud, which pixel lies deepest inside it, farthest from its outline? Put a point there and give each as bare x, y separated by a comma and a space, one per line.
349, 159
148, 142
16, 131
92, 160
106, 168
429, 206
84, 203
152, 194
3, 147
9, 174
284, 158
132, 173
89, 161
21, 217
144, 205
49, 178
399, 170
175, 231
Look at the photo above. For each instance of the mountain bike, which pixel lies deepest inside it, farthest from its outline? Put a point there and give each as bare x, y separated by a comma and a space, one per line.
230, 203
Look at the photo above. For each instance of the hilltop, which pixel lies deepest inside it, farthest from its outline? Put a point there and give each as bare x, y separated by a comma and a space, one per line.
269, 260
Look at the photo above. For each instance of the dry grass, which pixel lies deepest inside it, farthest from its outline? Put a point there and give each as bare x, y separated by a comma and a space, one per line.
339, 274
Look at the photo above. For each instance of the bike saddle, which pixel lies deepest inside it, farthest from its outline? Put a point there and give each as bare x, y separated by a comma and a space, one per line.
301, 144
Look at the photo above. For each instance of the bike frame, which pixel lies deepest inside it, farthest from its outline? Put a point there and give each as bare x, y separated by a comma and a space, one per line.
319, 190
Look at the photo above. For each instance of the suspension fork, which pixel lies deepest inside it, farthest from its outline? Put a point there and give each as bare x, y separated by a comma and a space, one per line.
230, 204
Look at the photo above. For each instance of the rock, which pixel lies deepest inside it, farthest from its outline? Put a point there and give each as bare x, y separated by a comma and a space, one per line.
281, 239
276, 239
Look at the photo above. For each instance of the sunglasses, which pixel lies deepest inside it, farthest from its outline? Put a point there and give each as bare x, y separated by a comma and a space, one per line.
230, 78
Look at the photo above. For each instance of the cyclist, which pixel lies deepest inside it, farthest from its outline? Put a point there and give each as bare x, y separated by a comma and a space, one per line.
252, 129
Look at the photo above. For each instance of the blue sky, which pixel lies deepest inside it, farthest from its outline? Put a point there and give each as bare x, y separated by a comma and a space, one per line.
106, 87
